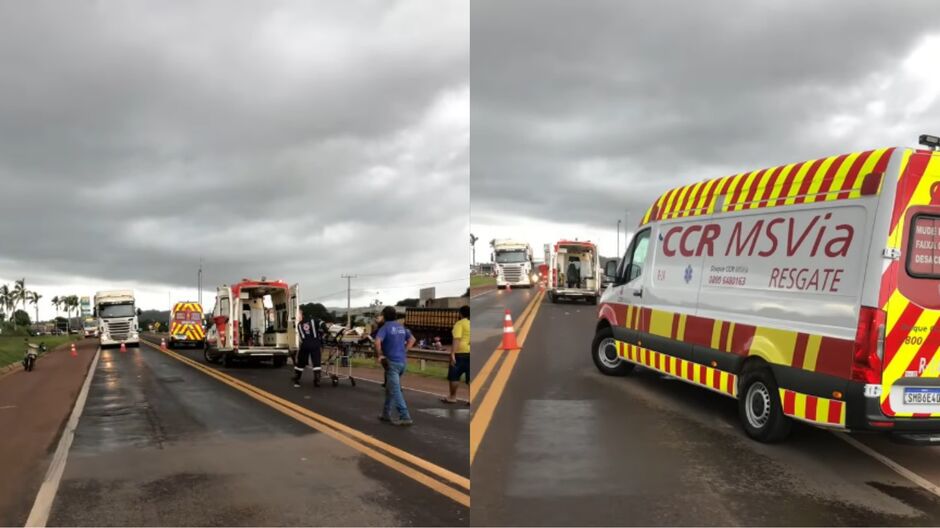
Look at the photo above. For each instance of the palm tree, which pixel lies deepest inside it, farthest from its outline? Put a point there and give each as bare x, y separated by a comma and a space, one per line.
34, 300
19, 295
473, 247
4, 299
73, 305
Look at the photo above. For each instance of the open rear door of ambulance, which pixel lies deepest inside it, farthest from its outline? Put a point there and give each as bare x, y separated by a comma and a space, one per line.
911, 295
293, 309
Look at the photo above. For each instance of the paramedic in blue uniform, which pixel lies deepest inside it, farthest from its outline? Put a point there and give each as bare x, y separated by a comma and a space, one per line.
309, 332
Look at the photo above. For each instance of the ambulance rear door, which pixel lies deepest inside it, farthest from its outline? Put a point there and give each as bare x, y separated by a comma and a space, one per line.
293, 309
911, 292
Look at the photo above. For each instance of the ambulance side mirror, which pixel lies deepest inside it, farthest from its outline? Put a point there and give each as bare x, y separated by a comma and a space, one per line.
610, 269
139, 312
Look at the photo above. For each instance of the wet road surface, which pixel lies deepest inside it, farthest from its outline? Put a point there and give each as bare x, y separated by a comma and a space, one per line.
161, 443
570, 446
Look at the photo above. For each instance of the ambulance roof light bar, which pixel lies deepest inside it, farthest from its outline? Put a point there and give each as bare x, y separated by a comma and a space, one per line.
931, 142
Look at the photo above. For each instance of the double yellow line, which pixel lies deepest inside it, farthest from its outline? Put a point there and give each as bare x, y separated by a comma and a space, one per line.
483, 414
443, 481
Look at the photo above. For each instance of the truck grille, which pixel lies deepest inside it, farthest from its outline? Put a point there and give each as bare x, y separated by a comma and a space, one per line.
119, 330
513, 274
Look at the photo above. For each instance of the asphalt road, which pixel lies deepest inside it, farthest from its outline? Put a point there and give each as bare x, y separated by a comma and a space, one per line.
487, 313
569, 446
162, 443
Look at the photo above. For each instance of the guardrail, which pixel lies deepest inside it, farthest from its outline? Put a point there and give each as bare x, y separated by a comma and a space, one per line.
434, 356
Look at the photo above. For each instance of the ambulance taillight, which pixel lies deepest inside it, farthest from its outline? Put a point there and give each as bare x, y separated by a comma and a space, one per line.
869, 346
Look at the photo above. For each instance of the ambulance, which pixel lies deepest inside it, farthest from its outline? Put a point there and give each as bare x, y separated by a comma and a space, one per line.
809, 292
186, 325
569, 254
253, 319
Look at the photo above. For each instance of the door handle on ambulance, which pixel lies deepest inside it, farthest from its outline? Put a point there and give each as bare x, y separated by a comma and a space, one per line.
638, 293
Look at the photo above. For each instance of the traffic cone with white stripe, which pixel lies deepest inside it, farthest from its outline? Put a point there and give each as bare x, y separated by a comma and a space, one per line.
123, 347
163, 343
508, 287
73, 352
509, 334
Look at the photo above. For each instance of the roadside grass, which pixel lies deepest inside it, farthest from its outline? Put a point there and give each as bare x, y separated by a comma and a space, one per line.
12, 347
482, 280
431, 370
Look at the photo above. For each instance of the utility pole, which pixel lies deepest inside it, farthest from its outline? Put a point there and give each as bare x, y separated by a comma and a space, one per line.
618, 239
199, 281
626, 229
349, 279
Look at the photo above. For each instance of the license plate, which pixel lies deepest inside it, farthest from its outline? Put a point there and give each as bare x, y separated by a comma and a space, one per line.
922, 396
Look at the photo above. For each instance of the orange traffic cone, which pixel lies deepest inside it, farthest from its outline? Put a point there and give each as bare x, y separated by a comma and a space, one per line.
123, 347
508, 287
163, 343
74, 352
509, 334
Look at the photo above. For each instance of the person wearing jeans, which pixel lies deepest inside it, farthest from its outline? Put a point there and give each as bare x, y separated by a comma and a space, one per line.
391, 346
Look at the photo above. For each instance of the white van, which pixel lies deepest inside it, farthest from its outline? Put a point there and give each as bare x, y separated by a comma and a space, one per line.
253, 319
809, 291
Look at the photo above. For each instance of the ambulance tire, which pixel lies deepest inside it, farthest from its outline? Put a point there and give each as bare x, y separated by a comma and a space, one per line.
594, 300
764, 421
606, 360
279, 361
551, 297
227, 361
209, 357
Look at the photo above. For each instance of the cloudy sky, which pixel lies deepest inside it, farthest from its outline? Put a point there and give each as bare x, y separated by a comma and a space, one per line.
583, 114
297, 140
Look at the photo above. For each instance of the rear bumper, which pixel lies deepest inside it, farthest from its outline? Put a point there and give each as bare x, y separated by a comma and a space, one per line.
261, 352
863, 413
575, 294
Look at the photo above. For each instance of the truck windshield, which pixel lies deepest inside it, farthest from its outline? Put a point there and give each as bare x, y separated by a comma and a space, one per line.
511, 257
115, 310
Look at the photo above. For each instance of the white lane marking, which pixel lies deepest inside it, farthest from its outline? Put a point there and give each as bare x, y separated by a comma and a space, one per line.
2, 407
42, 506
898, 468
482, 294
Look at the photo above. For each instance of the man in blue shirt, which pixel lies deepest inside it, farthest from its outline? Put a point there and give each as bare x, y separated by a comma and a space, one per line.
391, 345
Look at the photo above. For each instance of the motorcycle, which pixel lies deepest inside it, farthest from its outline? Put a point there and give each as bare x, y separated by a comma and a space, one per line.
32, 353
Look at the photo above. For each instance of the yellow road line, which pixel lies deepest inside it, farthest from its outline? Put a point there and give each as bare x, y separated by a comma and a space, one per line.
484, 413
480, 379
345, 434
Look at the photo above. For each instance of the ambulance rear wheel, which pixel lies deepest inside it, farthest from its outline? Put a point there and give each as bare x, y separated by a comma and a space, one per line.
606, 358
759, 407
227, 361
210, 356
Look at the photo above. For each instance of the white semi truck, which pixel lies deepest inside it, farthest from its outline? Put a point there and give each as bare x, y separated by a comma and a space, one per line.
514, 266
117, 318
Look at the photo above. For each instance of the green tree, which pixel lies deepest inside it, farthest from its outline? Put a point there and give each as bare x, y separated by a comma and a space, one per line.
318, 311
21, 318
408, 303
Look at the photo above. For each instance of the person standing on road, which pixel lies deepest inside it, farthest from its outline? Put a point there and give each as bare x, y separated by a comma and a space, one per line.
459, 354
391, 348
309, 332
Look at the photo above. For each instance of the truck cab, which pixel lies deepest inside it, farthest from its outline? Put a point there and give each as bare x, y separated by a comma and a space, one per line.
514, 266
117, 318
253, 319
574, 271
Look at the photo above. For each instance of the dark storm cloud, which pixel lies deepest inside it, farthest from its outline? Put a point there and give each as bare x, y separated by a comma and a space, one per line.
582, 110
297, 140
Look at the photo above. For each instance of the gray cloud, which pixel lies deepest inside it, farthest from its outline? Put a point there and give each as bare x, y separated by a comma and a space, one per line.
282, 139
582, 110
